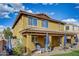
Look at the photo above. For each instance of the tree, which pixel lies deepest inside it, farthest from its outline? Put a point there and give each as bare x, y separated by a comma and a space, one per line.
7, 33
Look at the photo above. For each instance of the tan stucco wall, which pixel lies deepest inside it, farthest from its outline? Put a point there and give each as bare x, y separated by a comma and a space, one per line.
41, 40
29, 44
55, 42
55, 26
22, 24
52, 26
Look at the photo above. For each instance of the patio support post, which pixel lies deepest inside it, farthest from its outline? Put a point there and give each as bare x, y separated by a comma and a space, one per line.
62, 41
46, 42
72, 40
24, 43
50, 42
28, 44
76, 39
65, 40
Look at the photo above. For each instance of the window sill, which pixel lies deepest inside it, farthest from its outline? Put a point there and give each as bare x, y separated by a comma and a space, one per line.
32, 26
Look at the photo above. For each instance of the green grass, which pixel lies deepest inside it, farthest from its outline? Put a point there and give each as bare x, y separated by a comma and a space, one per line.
73, 53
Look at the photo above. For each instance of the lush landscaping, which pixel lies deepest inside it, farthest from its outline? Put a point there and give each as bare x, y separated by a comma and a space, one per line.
73, 53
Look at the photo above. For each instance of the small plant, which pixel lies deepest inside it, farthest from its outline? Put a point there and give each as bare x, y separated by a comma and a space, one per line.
17, 51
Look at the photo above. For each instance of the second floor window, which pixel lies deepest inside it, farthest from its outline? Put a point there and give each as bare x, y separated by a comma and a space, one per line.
32, 21
67, 27
45, 23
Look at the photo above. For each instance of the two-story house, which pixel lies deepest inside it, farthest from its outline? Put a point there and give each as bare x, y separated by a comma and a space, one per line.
2, 42
71, 27
39, 29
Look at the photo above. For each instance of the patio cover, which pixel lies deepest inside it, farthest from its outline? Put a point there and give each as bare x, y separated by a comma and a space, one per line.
44, 31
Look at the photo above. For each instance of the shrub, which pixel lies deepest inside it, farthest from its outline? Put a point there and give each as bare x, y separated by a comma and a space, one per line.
17, 51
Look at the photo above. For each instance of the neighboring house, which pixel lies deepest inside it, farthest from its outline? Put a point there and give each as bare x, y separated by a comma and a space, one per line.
69, 27
2, 43
39, 29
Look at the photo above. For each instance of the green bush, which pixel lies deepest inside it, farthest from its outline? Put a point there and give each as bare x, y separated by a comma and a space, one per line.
17, 51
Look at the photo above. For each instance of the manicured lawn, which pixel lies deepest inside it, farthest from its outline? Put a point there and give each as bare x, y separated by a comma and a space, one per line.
73, 53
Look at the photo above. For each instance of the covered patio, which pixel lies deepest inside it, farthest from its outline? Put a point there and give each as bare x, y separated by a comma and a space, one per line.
36, 38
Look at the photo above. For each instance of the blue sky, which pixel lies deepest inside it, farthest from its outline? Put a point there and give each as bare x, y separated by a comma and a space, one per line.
68, 12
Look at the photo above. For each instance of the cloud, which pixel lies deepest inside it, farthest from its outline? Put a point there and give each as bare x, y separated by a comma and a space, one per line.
16, 13
30, 11
6, 9
71, 20
50, 4
48, 13
47, 3
77, 6
17, 7
6, 16
2, 28
52, 13
27, 8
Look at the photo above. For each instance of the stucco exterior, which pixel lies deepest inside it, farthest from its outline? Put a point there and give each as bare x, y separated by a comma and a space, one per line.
27, 36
